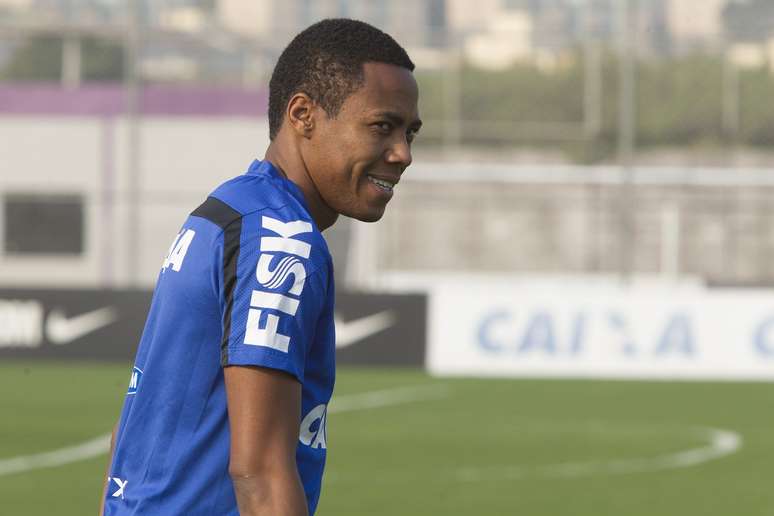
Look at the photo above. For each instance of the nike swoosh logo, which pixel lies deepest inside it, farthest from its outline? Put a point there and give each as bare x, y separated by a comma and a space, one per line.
61, 329
350, 332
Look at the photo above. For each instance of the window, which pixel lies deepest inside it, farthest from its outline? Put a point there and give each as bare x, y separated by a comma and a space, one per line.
43, 224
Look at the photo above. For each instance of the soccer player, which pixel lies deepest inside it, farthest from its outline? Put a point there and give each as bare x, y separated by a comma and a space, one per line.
227, 405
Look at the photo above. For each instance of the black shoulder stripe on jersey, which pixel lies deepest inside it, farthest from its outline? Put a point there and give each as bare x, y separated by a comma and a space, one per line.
217, 212
232, 235
230, 220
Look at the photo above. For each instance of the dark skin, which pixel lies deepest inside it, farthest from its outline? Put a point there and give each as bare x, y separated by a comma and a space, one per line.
264, 411
330, 159
335, 161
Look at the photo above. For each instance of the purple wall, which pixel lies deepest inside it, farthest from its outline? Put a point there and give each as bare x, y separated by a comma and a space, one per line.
110, 99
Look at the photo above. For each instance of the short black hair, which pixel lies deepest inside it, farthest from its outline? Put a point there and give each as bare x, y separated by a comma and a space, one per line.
325, 61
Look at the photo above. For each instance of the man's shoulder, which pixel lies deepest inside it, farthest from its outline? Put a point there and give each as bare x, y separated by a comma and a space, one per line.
249, 196
261, 214
217, 211
286, 234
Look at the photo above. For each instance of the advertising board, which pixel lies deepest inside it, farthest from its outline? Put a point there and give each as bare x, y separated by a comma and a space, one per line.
72, 324
381, 329
579, 331
374, 329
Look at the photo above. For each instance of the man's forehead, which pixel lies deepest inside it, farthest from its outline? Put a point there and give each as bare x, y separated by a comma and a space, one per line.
389, 88
388, 76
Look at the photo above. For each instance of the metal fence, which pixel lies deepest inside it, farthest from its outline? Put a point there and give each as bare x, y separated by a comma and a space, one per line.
674, 224
506, 87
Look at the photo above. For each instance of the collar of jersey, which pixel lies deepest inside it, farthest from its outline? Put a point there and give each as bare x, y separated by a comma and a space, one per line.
258, 167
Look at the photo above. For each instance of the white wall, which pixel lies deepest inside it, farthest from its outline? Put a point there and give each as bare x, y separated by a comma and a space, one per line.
44, 157
180, 161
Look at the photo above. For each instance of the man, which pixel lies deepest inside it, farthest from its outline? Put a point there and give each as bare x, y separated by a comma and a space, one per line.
227, 406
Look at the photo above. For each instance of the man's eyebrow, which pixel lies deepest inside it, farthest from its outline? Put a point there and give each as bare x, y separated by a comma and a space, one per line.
397, 119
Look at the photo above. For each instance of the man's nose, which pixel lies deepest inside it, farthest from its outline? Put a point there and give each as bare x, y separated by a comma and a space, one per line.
400, 153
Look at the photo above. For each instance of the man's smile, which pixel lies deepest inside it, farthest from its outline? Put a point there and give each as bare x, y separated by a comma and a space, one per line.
383, 182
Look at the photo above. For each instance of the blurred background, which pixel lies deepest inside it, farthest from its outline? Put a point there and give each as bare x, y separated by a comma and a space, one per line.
591, 200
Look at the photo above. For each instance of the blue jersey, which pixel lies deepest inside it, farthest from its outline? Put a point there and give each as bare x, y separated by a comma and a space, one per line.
247, 281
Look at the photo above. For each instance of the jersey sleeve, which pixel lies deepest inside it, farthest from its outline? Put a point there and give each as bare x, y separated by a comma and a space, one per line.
274, 290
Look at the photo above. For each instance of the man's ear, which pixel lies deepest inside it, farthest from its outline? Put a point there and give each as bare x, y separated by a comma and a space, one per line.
301, 114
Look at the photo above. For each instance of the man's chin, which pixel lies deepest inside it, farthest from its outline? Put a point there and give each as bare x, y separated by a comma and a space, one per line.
372, 215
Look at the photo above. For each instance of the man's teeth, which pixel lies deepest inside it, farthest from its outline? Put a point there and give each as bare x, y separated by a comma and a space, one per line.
381, 183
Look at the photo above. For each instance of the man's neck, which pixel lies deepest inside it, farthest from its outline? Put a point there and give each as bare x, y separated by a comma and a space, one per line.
291, 164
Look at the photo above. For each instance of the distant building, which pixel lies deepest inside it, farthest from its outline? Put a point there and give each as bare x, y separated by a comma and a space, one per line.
250, 19
750, 22
71, 12
465, 16
506, 40
183, 19
15, 4
751, 55
695, 23
412, 22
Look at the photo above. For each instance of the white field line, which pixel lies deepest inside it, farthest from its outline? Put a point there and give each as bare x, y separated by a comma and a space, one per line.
86, 450
386, 397
721, 443
101, 445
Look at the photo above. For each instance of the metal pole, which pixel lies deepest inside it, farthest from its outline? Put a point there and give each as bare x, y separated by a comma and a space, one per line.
592, 75
731, 92
132, 84
731, 123
71, 61
670, 241
452, 94
107, 206
626, 135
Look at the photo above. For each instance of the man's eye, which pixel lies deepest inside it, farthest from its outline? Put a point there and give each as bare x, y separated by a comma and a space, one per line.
410, 135
385, 127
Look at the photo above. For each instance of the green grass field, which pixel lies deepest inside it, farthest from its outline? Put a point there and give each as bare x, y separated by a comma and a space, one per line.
424, 446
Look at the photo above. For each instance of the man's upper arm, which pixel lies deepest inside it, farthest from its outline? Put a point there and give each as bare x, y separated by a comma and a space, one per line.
264, 408
274, 290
